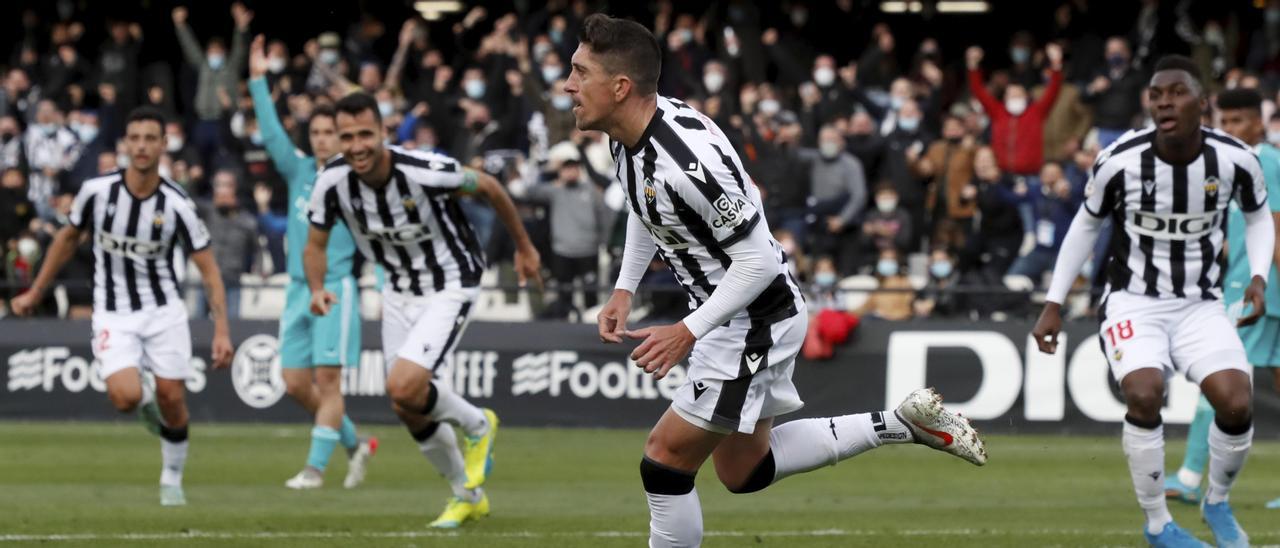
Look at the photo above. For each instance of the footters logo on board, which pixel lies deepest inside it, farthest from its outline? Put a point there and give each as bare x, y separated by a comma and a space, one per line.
557, 372
255, 372
50, 367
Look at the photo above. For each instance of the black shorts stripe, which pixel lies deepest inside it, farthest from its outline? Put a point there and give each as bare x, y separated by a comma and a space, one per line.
107, 266
454, 335
1211, 170
414, 217
153, 271
1147, 244
130, 270
1178, 248
733, 393
381, 200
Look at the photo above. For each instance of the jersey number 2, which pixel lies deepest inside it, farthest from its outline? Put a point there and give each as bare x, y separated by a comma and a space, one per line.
1122, 331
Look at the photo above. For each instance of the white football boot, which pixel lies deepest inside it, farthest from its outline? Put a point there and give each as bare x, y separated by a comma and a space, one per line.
934, 426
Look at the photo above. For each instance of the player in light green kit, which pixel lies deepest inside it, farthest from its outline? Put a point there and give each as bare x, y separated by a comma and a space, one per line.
1241, 111
313, 349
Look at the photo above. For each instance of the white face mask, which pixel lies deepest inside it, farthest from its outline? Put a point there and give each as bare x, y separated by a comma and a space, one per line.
1273, 136
386, 109
562, 102
474, 88
829, 149
173, 143
1015, 105
550, 73
769, 107
824, 76
886, 205
122, 161
276, 65
714, 81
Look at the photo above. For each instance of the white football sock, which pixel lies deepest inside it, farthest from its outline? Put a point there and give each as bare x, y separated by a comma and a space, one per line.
807, 444
1144, 448
173, 457
1226, 457
675, 521
441, 449
453, 409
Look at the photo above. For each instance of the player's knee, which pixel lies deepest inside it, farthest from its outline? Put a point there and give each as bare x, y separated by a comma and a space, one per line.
170, 399
297, 389
660, 479
758, 477
1144, 404
402, 392
124, 400
1234, 410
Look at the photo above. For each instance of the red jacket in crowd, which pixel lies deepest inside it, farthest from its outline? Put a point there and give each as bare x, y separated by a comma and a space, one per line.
1018, 141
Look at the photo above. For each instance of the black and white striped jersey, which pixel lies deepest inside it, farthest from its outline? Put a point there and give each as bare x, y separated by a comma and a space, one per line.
414, 226
685, 182
133, 241
1169, 220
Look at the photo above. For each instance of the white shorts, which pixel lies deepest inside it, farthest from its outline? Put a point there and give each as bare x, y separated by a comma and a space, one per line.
739, 375
1192, 337
157, 339
426, 329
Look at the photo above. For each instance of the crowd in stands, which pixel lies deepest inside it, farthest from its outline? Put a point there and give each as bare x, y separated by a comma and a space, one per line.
897, 169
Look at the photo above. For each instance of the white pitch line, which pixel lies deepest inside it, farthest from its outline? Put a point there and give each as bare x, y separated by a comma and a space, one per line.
267, 535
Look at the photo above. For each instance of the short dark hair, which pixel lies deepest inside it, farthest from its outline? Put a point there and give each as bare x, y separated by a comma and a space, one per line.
144, 113
323, 111
356, 103
625, 47
1241, 99
1183, 63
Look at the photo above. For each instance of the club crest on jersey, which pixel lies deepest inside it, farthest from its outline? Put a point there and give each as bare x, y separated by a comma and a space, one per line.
409, 203
1117, 355
158, 222
650, 191
1211, 185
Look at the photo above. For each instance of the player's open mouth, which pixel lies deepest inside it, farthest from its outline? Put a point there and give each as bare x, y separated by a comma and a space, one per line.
1167, 123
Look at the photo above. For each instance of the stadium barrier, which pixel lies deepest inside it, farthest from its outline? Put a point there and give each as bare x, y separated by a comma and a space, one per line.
559, 374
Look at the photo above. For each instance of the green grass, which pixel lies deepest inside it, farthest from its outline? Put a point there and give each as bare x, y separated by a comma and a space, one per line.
558, 487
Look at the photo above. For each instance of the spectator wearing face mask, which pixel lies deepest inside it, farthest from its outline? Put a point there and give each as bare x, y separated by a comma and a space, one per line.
1115, 92
865, 143
888, 226
838, 191
219, 75
52, 148
119, 61
1054, 206
782, 171
544, 87
16, 209
1017, 124
1022, 61
892, 300
824, 284
994, 245
939, 299
948, 165
234, 233
907, 140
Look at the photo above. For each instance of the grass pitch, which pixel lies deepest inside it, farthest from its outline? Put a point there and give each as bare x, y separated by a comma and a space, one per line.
80, 484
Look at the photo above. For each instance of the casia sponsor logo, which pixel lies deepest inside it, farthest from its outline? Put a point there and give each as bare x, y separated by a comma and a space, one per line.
255, 372
1174, 226
730, 212
407, 234
551, 372
49, 367
132, 248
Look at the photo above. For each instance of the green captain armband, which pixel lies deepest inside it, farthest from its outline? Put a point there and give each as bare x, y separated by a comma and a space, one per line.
470, 181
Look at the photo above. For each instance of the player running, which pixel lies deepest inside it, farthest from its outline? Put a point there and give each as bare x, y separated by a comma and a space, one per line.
402, 206
1167, 189
313, 349
1241, 112
139, 319
692, 203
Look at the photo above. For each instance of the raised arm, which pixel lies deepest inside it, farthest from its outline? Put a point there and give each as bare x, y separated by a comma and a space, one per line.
396, 68
279, 146
187, 39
